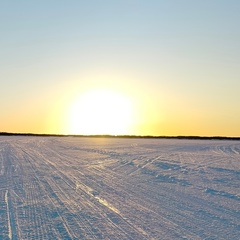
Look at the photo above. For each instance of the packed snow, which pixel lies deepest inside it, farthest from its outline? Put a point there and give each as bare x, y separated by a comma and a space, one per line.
112, 188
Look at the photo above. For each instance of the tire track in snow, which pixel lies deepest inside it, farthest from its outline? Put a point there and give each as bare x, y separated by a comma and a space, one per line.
8, 215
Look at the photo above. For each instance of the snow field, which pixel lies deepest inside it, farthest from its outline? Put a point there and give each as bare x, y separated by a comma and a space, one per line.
89, 188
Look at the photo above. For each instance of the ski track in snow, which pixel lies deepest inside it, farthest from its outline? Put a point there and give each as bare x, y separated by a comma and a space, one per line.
86, 188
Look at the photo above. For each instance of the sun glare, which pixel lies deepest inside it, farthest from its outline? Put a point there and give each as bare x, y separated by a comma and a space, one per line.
100, 112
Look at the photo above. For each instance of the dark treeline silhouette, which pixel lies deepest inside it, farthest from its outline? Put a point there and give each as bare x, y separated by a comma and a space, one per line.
121, 136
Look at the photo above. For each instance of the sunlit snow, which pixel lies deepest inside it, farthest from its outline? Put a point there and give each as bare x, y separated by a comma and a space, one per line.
89, 188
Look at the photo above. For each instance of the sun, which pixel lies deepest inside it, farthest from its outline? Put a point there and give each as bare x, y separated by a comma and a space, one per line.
100, 111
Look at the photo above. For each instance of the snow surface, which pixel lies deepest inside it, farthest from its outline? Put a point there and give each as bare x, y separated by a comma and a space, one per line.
85, 188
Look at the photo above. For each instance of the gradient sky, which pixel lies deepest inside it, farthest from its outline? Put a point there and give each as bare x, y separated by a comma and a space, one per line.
178, 62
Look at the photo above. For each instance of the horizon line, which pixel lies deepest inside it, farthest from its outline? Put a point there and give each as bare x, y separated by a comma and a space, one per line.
120, 136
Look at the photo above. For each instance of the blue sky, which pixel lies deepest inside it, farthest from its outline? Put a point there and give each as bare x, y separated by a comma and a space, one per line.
181, 57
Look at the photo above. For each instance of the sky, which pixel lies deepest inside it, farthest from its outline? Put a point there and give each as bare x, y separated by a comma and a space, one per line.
167, 67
